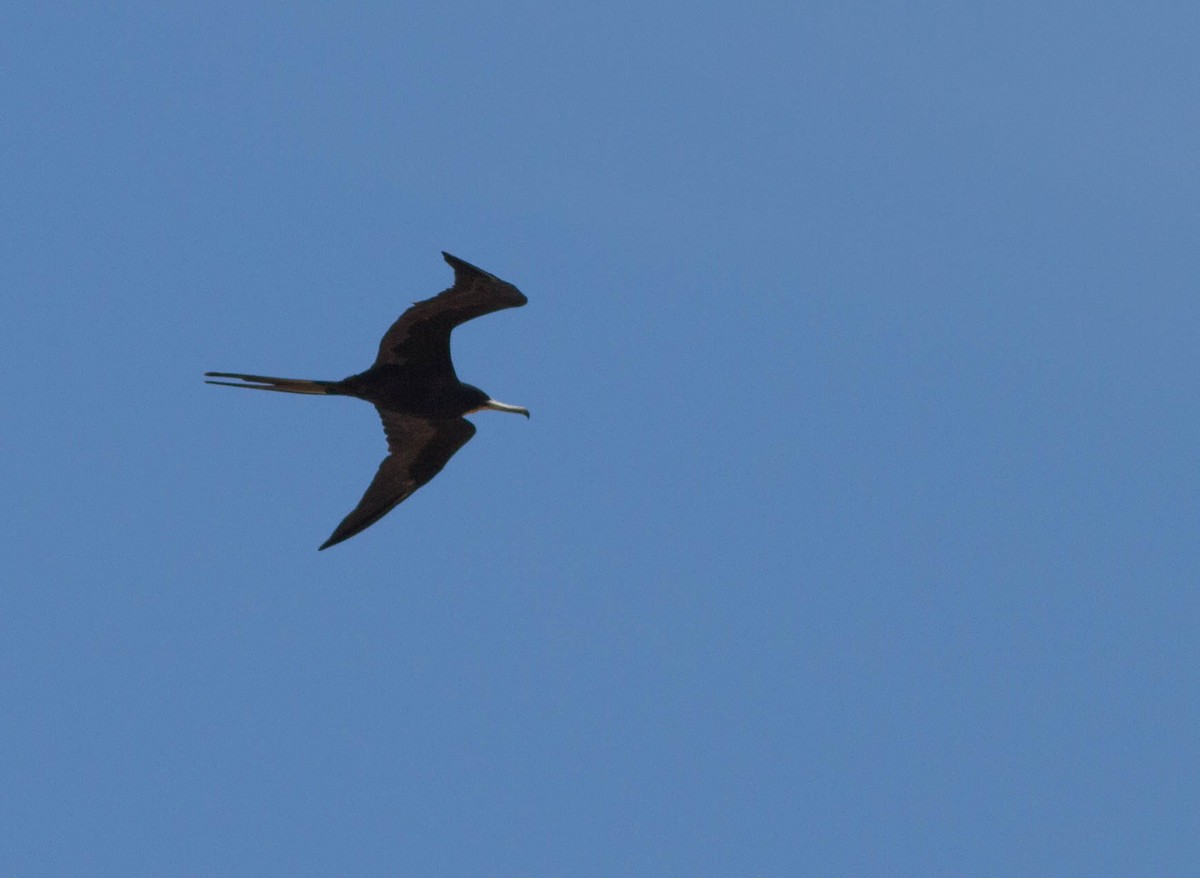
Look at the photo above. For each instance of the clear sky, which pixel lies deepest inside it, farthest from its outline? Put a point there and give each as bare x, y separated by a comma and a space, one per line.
855, 528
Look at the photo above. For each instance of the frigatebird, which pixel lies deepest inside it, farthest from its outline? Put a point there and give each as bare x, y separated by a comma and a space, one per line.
413, 386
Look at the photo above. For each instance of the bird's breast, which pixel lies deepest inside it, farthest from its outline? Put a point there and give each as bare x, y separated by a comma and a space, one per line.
408, 390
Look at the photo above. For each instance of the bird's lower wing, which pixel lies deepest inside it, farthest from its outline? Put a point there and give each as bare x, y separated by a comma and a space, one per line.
419, 449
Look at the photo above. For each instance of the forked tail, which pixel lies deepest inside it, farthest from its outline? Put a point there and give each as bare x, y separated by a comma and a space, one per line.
283, 385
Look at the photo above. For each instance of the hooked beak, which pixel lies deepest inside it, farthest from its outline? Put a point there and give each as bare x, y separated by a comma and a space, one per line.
505, 407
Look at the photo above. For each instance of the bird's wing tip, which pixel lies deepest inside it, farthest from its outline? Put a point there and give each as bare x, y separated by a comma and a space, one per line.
464, 270
462, 265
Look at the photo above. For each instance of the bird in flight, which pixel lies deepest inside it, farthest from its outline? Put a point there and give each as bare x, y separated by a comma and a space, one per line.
413, 386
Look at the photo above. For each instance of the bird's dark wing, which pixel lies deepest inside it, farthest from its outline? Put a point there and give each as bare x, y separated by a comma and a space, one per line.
418, 449
423, 331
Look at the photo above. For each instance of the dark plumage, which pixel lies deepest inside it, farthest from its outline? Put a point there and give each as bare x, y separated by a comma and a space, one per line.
413, 386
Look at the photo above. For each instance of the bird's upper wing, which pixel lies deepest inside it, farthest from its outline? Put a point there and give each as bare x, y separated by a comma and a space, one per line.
423, 331
418, 449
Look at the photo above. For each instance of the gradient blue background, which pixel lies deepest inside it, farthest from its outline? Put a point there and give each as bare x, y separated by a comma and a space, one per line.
854, 531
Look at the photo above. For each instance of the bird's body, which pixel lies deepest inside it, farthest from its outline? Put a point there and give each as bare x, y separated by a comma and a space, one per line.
413, 385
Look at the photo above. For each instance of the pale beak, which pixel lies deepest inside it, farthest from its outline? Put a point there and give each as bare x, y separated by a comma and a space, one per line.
505, 407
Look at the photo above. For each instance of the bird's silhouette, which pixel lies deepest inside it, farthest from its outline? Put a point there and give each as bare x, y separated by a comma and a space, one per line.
413, 386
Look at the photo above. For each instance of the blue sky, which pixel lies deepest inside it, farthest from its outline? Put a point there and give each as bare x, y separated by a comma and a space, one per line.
854, 530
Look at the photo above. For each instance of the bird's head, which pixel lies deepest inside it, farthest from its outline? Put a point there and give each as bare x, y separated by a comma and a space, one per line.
479, 401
